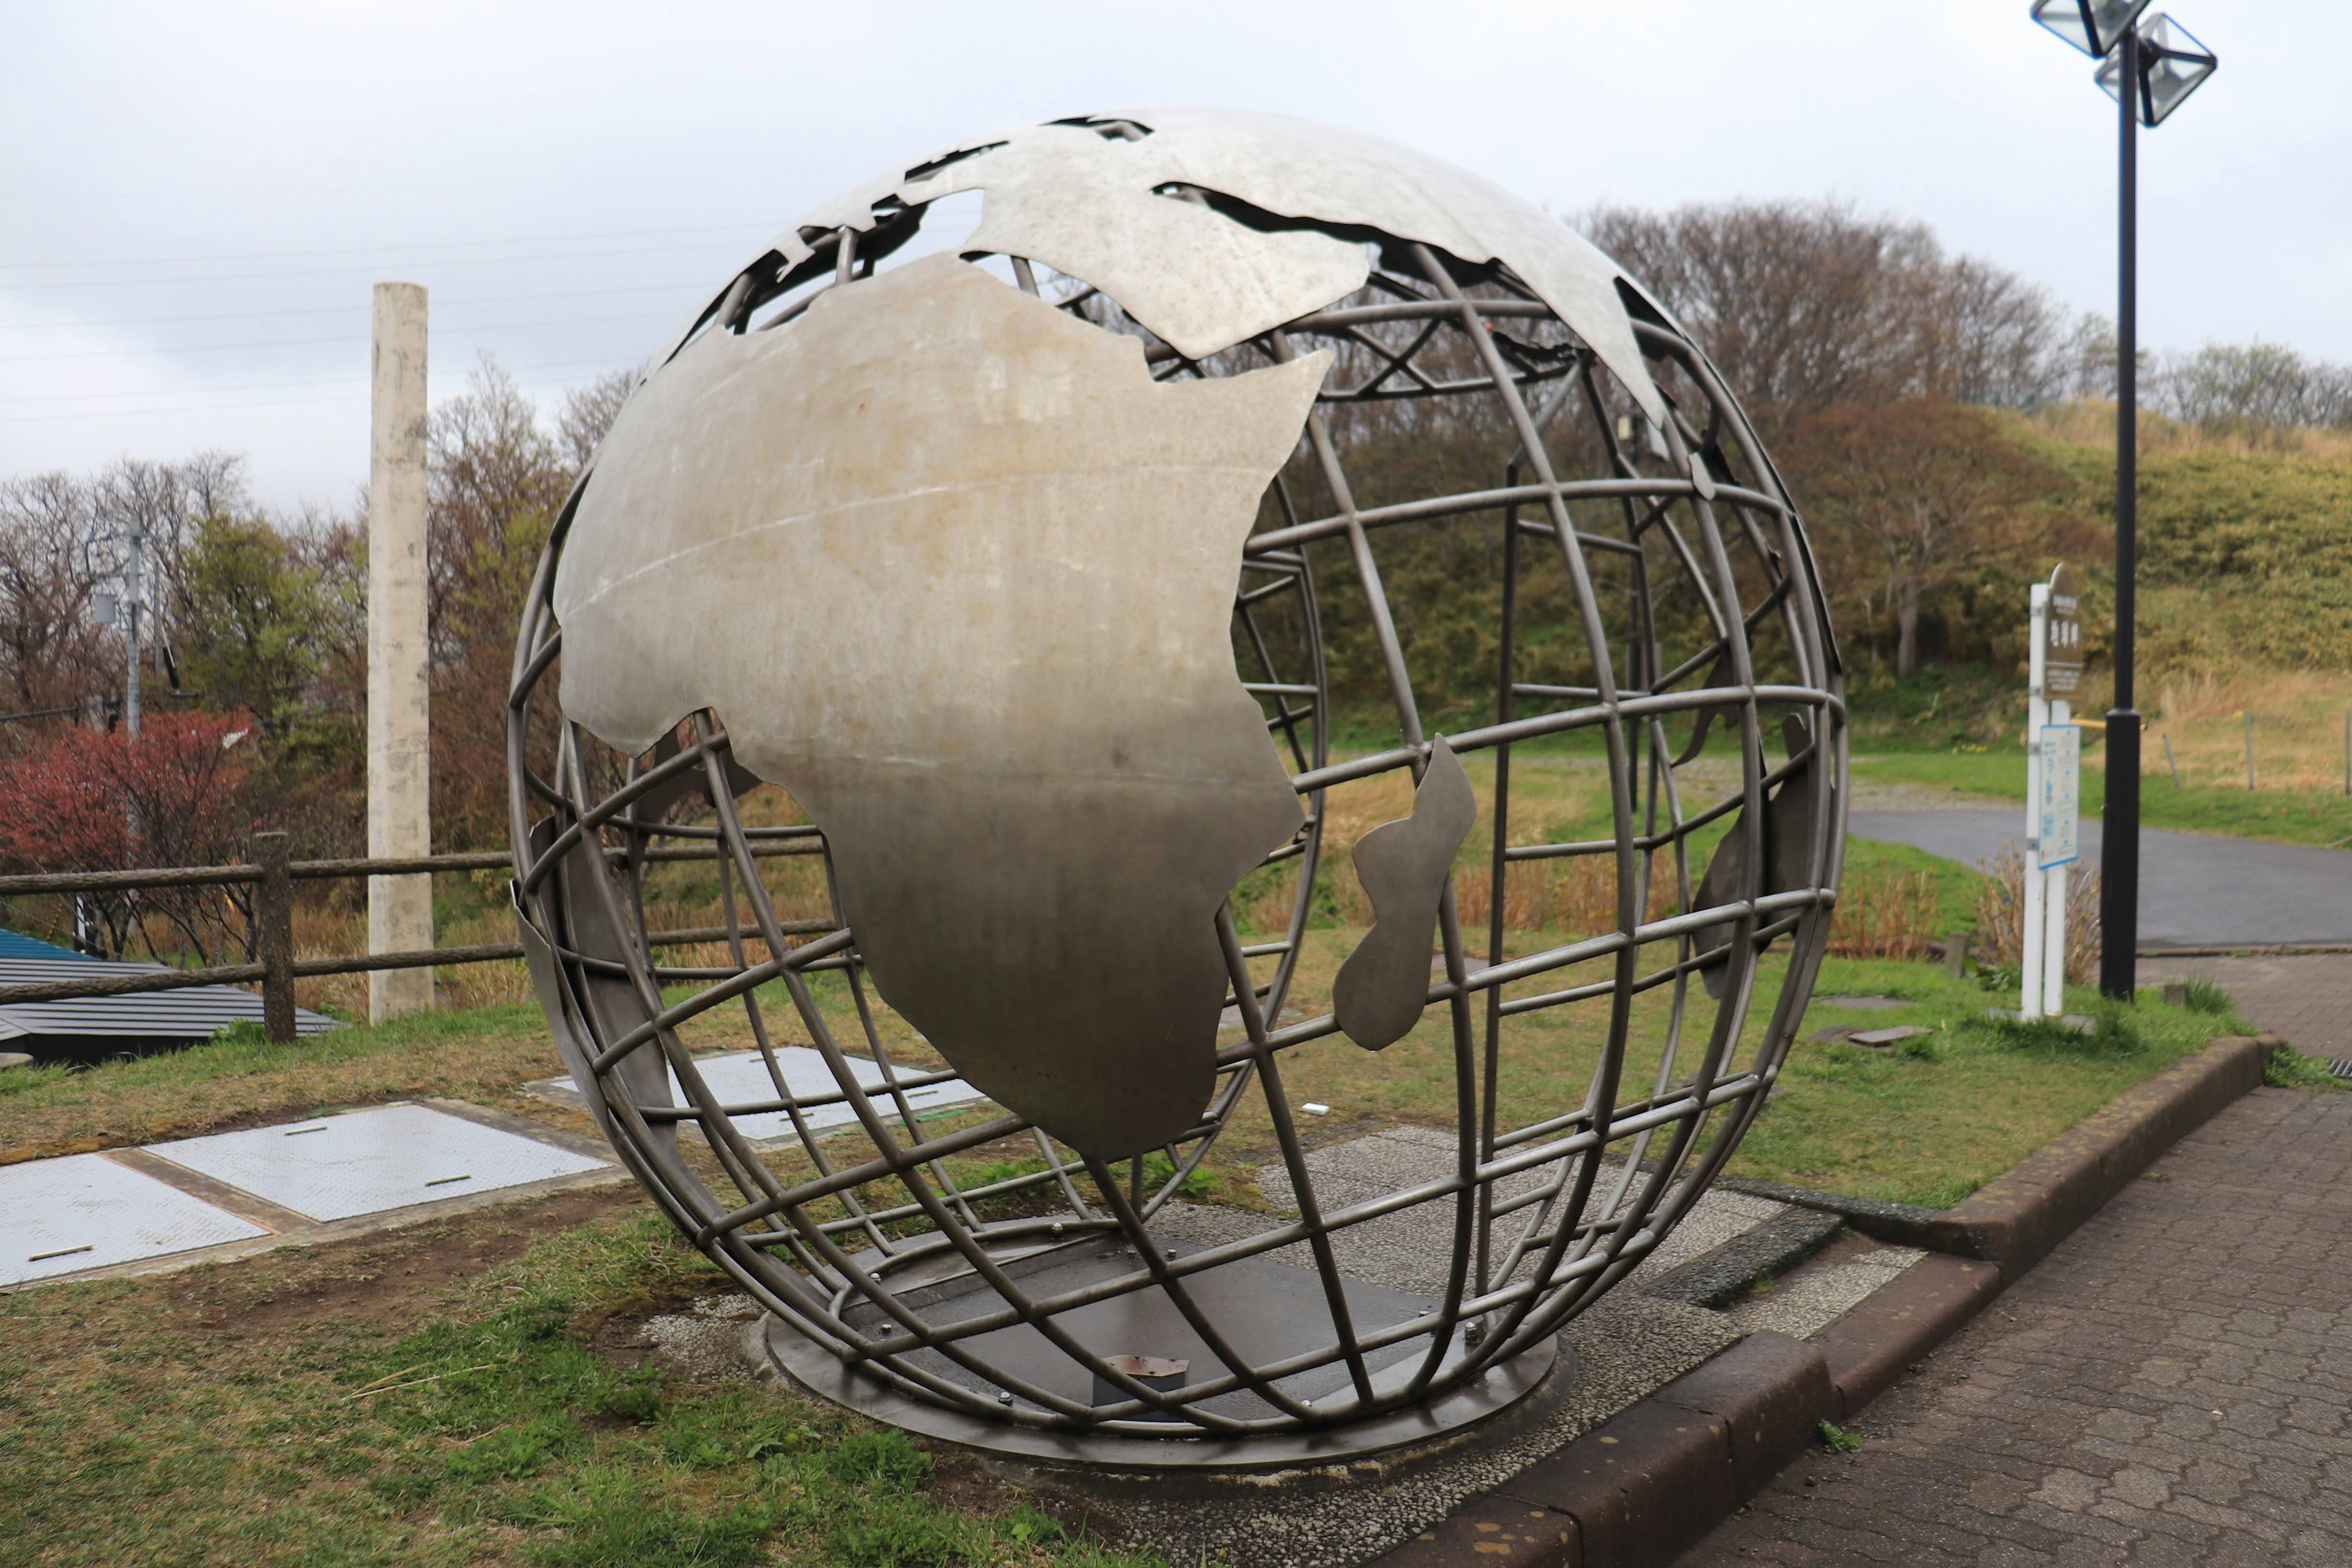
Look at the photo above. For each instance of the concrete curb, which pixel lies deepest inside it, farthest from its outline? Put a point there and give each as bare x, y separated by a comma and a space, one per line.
1649, 1483
2018, 1216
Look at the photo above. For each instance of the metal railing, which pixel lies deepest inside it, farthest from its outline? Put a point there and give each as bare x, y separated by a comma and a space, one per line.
274, 874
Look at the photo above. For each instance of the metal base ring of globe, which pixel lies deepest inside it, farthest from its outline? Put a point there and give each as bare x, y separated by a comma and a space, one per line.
1027, 693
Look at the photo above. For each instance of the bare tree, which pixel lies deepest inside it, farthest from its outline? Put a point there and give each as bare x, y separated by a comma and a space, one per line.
1914, 497
588, 412
1807, 305
2257, 383
52, 648
497, 479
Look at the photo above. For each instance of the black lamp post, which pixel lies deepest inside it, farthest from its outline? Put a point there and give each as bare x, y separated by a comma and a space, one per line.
2148, 68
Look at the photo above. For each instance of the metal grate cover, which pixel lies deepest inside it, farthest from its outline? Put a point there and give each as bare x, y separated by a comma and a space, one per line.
366, 1161
60, 1216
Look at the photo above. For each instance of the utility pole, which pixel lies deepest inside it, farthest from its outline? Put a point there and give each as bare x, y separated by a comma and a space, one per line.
399, 798
134, 587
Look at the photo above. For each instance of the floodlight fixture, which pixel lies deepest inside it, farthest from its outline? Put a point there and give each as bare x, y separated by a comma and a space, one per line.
2094, 27
2172, 65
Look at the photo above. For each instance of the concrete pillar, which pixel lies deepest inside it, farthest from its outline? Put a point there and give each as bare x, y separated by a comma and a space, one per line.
399, 819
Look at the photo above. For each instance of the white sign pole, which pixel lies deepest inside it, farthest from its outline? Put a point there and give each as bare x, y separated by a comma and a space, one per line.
2061, 766
2034, 886
2059, 758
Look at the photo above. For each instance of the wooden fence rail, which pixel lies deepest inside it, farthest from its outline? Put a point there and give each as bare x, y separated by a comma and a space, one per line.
275, 875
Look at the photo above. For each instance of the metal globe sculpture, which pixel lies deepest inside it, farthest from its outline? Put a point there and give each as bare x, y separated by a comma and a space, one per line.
1012, 569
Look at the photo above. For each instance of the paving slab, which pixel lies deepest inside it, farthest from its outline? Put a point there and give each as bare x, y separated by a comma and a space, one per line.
2172, 1385
2305, 999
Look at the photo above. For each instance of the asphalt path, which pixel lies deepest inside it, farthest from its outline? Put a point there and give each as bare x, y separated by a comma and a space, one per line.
2195, 889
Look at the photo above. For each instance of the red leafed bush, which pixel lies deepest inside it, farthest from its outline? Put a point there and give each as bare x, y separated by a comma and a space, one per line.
177, 796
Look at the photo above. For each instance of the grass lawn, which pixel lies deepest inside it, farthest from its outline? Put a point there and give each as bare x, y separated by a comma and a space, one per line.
1925, 1125
483, 1055
462, 1392
475, 1389
1934, 1118
2286, 816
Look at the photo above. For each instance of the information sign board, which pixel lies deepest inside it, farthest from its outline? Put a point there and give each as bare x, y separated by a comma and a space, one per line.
2062, 652
2062, 796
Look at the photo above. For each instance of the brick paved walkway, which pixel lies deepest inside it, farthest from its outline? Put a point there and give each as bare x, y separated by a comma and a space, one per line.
2305, 998
2172, 1386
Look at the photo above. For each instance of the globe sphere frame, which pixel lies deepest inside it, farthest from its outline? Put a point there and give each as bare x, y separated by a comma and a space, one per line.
881, 1263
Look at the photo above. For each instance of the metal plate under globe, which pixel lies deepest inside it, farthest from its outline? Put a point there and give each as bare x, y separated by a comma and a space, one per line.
84, 1210
1265, 1314
1032, 566
366, 1162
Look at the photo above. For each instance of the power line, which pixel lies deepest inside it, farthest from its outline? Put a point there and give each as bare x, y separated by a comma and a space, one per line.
184, 391
397, 246
337, 271
348, 390
663, 182
438, 305
353, 339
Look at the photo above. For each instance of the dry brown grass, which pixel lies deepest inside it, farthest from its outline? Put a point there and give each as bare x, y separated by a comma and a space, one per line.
1885, 914
484, 1057
2298, 741
2001, 935
2093, 425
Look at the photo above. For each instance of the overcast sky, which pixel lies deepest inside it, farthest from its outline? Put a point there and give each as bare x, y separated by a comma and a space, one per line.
195, 199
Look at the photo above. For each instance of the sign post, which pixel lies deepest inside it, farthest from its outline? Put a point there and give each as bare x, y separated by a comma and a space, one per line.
2053, 764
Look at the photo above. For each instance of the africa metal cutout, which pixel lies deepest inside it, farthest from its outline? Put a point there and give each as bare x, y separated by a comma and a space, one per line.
1032, 758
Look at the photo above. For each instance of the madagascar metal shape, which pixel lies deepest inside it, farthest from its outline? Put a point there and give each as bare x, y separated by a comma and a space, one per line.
1405, 867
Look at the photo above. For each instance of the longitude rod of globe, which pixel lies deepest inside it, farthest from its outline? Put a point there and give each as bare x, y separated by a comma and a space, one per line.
1467, 1115
714, 783
1401, 684
735, 1157
1662, 786
1237, 1082
1801, 614
1642, 657
1293, 1159
1668, 1164
1588, 606
1746, 946
1497, 873
1802, 622
1368, 572
1496, 902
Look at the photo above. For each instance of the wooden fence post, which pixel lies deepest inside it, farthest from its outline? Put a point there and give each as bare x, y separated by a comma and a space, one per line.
274, 914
